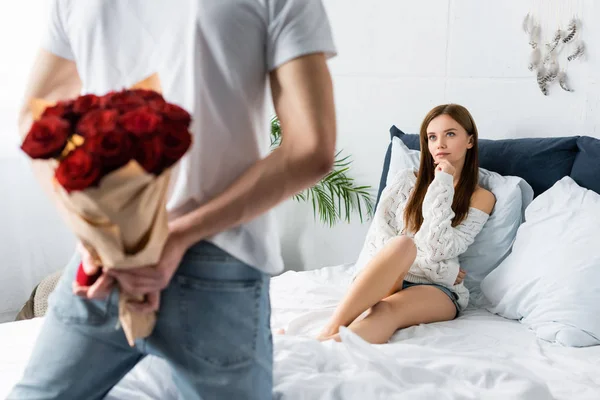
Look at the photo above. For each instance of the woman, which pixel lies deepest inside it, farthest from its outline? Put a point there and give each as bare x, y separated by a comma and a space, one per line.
423, 222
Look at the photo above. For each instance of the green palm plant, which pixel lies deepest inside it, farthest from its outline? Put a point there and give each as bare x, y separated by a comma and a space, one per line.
336, 196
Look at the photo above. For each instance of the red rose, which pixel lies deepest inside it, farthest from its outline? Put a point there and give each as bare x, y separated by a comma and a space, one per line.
176, 141
113, 149
62, 109
122, 101
97, 121
47, 138
175, 114
78, 171
148, 95
156, 105
140, 121
149, 154
84, 104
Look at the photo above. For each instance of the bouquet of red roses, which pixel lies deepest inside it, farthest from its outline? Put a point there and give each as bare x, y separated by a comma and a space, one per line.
110, 157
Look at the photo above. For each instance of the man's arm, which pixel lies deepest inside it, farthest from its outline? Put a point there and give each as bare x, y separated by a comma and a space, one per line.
52, 78
303, 99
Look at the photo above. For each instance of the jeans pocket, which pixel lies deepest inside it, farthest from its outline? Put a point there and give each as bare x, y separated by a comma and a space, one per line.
220, 319
71, 308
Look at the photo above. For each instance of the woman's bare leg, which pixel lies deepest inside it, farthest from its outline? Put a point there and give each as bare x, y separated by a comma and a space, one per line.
412, 306
382, 276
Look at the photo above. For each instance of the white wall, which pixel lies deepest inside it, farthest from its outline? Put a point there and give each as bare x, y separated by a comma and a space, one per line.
399, 58
21, 26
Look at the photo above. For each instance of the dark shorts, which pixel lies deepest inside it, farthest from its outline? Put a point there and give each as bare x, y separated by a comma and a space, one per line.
453, 296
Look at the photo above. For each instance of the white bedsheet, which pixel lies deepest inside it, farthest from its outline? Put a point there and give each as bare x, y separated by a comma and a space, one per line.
478, 356
144, 382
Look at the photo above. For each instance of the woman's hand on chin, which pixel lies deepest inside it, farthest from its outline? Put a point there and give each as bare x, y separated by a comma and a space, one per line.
446, 167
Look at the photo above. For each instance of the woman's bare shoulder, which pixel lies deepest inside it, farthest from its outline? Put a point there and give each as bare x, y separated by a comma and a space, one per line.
483, 200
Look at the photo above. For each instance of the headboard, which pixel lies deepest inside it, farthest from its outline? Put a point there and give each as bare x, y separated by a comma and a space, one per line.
540, 161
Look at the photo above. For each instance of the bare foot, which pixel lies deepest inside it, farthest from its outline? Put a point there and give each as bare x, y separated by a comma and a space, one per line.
280, 331
328, 333
335, 337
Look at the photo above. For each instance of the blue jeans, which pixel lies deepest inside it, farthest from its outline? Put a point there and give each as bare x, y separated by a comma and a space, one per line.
213, 328
453, 296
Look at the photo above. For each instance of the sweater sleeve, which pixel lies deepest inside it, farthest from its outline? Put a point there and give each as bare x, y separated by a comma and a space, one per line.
388, 221
440, 240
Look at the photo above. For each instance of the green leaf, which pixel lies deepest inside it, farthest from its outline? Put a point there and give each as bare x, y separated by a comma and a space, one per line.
275, 132
335, 196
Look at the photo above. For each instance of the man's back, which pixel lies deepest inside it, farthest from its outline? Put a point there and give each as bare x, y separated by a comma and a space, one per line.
213, 58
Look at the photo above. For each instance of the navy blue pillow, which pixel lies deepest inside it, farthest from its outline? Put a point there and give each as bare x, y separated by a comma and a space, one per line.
586, 169
540, 161
410, 140
384, 172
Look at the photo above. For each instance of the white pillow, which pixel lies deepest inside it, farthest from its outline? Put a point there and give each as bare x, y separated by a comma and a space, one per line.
402, 158
551, 281
495, 240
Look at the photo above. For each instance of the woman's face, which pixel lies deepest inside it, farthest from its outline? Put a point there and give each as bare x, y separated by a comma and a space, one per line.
447, 140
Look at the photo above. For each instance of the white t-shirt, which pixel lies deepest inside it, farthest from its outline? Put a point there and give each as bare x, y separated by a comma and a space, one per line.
213, 58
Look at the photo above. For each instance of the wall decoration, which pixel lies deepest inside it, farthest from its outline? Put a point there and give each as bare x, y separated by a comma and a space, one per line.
549, 59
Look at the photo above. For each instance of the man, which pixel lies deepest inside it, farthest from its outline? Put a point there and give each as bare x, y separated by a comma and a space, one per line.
215, 58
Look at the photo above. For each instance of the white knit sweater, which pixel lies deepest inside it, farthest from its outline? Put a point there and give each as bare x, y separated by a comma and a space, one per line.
438, 243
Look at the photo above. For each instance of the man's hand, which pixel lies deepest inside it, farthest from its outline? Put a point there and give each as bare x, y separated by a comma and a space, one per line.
103, 285
150, 280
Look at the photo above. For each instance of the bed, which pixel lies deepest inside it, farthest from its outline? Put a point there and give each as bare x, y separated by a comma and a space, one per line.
477, 356
480, 355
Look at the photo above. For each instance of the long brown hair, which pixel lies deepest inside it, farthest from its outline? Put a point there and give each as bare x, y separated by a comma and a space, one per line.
413, 215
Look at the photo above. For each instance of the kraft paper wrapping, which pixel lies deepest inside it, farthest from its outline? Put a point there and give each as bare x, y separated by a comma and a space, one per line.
122, 222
